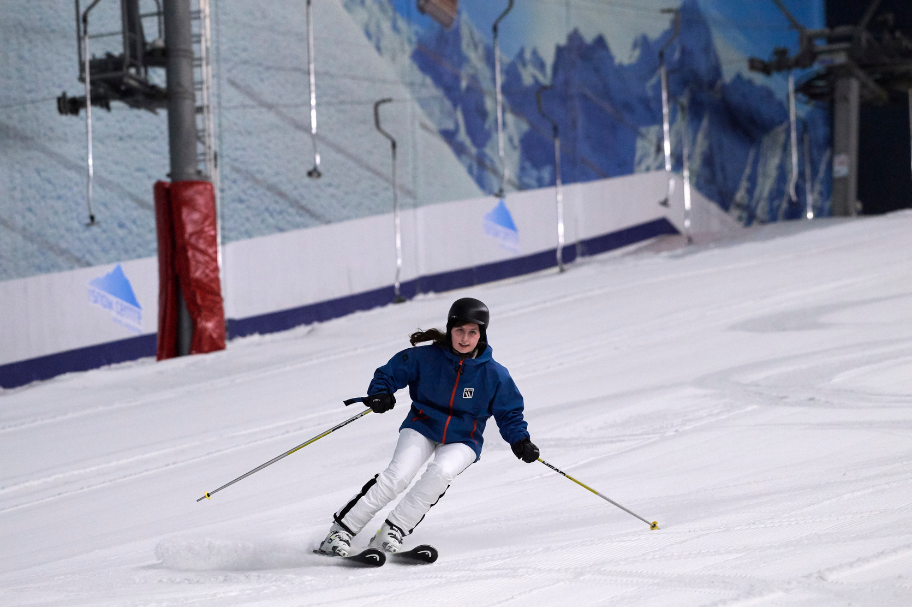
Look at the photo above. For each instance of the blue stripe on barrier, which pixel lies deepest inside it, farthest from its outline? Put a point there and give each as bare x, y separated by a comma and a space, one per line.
24, 372
82, 359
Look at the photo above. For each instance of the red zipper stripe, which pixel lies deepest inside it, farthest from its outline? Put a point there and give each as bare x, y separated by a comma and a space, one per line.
452, 396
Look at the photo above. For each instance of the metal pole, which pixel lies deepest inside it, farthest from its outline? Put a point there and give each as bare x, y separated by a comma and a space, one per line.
557, 179
313, 173
560, 202
910, 126
652, 525
808, 186
211, 155
209, 494
666, 113
793, 179
497, 83
666, 130
90, 176
181, 98
181, 123
686, 152
90, 161
845, 147
396, 220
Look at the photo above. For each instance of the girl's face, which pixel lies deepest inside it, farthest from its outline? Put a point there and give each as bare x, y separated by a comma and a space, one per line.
465, 338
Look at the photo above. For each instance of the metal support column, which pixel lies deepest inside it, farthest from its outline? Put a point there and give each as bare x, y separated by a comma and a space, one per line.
181, 120
845, 147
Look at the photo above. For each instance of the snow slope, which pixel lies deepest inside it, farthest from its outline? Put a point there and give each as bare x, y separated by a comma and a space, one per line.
752, 396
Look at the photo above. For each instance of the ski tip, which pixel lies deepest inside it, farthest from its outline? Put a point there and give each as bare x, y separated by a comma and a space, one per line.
427, 553
654, 525
419, 554
368, 558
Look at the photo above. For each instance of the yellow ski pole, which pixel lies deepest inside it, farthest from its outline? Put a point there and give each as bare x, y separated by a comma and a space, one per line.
653, 525
209, 494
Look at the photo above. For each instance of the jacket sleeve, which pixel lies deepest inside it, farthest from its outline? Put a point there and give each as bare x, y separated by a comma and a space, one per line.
396, 374
507, 409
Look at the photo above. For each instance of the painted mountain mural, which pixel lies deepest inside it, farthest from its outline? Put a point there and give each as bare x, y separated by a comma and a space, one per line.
608, 112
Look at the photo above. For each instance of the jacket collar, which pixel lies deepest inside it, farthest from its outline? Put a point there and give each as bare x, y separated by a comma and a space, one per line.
480, 359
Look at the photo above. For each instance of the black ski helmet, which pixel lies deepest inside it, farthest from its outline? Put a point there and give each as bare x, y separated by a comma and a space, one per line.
469, 309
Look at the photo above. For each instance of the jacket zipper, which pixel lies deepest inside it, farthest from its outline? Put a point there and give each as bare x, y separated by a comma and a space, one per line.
452, 396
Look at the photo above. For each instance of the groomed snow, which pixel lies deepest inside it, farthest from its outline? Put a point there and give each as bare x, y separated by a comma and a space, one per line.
752, 396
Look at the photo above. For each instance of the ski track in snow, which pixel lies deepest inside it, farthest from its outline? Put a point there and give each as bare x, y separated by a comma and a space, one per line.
752, 396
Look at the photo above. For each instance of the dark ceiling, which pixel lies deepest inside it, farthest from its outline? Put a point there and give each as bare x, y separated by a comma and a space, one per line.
885, 160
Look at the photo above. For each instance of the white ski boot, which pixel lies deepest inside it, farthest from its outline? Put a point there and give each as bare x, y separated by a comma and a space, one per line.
337, 542
387, 539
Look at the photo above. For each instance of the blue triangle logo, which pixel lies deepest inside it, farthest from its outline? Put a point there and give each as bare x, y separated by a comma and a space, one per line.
115, 284
500, 215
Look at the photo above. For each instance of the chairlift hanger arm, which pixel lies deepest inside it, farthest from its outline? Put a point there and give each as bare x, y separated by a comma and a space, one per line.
85, 14
796, 25
377, 120
872, 8
676, 22
502, 15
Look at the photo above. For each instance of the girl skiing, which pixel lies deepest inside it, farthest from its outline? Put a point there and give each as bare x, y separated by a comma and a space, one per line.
455, 386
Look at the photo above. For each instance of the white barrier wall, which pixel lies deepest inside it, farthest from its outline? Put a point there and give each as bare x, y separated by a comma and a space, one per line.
62, 311
83, 318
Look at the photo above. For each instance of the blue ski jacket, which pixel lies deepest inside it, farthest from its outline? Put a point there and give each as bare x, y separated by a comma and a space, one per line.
453, 397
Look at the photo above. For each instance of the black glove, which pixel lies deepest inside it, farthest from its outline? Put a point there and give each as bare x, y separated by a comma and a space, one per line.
380, 402
525, 450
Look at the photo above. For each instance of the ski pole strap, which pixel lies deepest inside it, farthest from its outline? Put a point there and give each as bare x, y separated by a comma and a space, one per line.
352, 401
653, 525
209, 494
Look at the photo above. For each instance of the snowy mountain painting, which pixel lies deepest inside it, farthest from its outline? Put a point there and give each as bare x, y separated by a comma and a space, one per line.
608, 110
600, 60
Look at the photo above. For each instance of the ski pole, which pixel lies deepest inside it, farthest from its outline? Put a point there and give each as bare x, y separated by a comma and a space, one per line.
209, 494
653, 525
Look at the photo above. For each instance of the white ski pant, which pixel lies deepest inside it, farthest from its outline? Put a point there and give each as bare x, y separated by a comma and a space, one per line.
412, 451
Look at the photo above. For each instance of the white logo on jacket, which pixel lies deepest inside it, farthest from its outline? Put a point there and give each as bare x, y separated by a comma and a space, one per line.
468, 392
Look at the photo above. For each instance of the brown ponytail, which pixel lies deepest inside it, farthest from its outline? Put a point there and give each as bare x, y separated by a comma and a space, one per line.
435, 335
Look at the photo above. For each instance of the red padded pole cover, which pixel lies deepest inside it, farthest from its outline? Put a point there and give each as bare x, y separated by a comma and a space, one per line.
196, 262
167, 277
